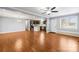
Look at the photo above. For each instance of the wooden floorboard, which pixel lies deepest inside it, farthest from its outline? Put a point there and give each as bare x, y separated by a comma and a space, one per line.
29, 41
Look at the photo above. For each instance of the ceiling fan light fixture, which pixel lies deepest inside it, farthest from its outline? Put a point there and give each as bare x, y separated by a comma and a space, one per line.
48, 12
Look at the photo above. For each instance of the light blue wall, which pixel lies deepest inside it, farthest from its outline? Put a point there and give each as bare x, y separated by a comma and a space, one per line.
48, 25
11, 25
58, 29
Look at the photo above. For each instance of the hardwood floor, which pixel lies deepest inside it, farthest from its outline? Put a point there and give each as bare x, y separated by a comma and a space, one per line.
29, 41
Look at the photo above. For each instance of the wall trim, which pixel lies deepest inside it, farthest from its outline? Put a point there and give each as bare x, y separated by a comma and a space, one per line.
11, 32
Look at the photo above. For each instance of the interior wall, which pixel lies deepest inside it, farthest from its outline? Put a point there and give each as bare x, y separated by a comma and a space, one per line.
48, 25
9, 21
53, 26
57, 26
11, 25
8, 24
27, 24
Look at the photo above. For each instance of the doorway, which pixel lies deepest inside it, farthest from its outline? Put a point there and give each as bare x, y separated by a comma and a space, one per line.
38, 25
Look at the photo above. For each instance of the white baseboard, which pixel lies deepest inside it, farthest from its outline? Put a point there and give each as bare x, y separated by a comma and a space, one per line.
71, 34
11, 32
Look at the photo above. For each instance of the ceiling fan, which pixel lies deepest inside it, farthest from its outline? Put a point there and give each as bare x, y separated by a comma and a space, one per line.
49, 10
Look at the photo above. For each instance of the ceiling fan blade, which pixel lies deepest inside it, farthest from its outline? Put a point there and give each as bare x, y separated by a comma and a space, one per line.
53, 8
49, 14
54, 11
43, 12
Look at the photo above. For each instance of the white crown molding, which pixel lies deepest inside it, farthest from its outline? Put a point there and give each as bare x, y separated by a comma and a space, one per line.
27, 12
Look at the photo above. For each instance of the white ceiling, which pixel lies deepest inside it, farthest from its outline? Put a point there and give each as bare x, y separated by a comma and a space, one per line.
38, 11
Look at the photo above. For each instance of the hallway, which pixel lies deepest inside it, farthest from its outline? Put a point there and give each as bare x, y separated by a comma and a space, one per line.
28, 41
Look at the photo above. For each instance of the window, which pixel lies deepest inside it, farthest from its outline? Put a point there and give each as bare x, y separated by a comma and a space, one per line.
68, 22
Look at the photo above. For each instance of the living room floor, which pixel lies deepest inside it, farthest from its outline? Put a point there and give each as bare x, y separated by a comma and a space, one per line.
29, 41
